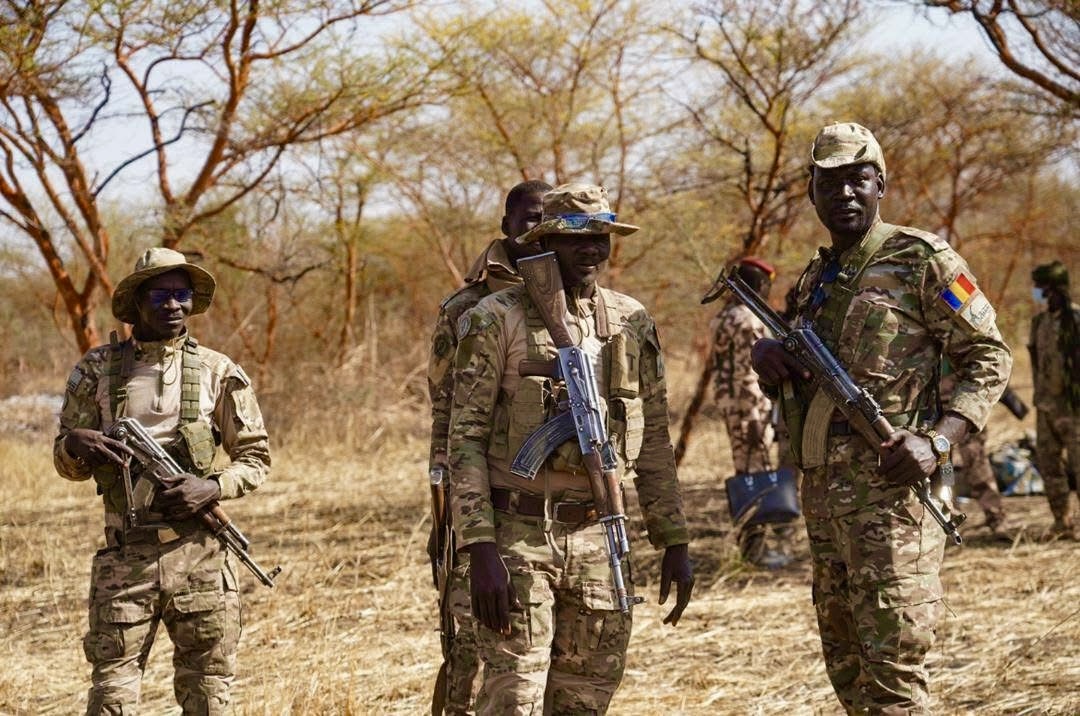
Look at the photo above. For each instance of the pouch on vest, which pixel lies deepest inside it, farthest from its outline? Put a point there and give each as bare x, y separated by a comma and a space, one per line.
626, 426
197, 439
529, 410
623, 364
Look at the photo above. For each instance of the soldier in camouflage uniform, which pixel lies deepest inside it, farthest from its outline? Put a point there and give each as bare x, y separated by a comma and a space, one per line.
493, 270
745, 410
551, 636
1055, 367
888, 301
169, 569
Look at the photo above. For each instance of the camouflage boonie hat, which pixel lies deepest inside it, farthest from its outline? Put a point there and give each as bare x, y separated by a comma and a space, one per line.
1051, 274
840, 144
154, 262
576, 209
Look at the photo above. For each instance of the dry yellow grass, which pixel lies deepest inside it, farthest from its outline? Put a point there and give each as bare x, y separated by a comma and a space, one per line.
350, 629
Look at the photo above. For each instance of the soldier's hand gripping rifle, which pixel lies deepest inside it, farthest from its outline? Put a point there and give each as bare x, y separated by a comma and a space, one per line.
857, 405
584, 419
156, 463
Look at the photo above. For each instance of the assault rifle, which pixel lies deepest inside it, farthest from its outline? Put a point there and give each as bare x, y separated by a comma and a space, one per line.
857, 405
156, 463
584, 419
443, 538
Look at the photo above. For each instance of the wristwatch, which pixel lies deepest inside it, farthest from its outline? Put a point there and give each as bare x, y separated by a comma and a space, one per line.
942, 451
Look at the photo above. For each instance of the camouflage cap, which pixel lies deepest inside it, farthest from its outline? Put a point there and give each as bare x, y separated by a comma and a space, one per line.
154, 262
1051, 274
840, 144
576, 209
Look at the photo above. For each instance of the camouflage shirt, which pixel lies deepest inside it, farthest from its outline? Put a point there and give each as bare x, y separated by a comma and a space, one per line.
226, 401
492, 271
1048, 365
495, 409
916, 301
735, 330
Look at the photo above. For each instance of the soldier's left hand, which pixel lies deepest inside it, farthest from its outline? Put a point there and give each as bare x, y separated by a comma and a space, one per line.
676, 568
907, 458
185, 494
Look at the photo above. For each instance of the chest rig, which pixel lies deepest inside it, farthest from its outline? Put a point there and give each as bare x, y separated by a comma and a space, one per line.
194, 450
807, 409
538, 397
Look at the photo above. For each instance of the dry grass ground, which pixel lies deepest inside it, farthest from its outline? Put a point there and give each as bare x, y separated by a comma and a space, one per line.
350, 629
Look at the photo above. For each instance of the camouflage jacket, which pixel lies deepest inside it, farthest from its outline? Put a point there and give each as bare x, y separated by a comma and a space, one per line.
736, 387
226, 402
1048, 362
915, 301
495, 409
492, 271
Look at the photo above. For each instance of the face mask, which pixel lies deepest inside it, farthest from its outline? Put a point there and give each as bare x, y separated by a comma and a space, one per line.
1038, 294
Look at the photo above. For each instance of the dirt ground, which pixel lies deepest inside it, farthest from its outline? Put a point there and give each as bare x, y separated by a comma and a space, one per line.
351, 626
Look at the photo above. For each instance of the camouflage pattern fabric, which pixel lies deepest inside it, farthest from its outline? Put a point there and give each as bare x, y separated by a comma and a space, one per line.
187, 582
875, 587
566, 653
567, 649
492, 271
742, 406
189, 585
974, 476
875, 557
1057, 426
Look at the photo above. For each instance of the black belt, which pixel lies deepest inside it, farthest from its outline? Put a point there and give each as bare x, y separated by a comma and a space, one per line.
843, 427
529, 505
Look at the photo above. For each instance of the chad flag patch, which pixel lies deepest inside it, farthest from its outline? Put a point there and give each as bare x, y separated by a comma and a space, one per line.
967, 302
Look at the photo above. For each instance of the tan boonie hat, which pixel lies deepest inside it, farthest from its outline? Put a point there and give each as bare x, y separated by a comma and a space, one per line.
840, 144
576, 209
153, 262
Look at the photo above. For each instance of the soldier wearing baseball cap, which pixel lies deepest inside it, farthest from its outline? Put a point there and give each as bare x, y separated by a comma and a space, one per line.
552, 636
889, 302
160, 563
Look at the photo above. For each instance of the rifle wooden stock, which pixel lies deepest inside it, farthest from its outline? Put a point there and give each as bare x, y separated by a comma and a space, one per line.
544, 284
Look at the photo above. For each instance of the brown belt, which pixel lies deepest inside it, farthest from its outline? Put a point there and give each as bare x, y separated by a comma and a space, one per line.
529, 505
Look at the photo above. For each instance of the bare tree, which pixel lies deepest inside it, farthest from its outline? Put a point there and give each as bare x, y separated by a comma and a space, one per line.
214, 94
1037, 40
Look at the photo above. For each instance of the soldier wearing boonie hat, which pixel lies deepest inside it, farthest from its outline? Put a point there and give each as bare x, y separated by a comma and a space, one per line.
167, 567
889, 302
1055, 367
552, 637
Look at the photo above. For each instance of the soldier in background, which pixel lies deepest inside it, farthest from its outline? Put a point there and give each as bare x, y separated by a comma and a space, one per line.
494, 270
888, 302
190, 399
1055, 368
742, 406
552, 637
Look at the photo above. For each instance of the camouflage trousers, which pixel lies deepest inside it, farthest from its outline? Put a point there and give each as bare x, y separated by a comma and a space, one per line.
975, 478
877, 595
463, 663
1057, 444
190, 586
567, 649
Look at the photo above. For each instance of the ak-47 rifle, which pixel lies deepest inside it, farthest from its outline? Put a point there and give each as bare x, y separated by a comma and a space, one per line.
857, 405
584, 419
443, 546
156, 463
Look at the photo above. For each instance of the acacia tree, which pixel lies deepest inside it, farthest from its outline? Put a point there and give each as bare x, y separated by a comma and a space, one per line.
769, 62
211, 95
1037, 40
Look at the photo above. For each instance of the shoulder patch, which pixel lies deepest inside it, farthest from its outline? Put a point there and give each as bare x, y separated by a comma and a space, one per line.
463, 325
966, 302
239, 373
75, 380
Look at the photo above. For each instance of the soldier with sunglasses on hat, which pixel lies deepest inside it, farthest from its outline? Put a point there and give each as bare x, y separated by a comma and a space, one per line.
552, 637
889, 302
167, 568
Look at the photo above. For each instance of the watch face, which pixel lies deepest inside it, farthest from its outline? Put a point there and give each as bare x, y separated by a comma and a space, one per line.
941, 444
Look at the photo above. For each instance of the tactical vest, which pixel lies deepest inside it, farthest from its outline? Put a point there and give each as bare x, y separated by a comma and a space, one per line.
807, 410
193, 450
537, 398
